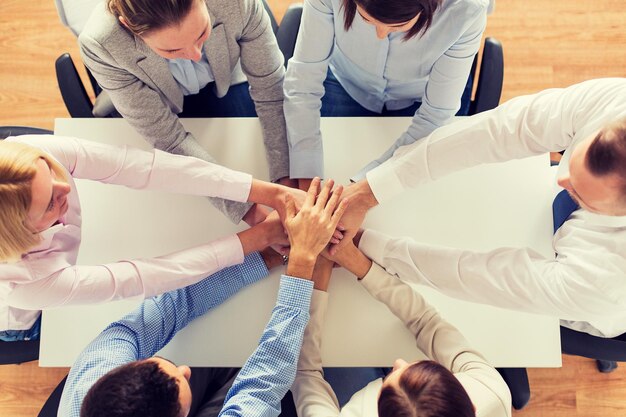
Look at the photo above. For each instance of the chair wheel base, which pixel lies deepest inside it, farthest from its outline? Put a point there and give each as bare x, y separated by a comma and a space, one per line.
606, 366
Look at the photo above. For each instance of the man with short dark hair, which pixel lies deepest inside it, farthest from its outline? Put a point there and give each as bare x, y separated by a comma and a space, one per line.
585, 284
118, 375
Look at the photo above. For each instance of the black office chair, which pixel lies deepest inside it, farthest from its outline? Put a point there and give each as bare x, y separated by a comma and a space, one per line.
74, 93
489, 77
12, 353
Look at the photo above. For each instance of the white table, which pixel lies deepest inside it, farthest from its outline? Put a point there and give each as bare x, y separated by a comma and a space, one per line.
481, 208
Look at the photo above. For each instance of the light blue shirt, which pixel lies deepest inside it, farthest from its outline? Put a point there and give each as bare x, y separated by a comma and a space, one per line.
264, 379
191, 76
392, 73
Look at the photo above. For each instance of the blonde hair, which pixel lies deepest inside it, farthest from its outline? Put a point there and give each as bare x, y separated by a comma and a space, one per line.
17, 170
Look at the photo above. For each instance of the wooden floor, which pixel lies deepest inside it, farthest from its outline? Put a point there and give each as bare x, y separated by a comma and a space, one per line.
546, 44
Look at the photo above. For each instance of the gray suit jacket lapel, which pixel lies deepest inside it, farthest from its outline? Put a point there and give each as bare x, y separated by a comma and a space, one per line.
216, 51
157, 71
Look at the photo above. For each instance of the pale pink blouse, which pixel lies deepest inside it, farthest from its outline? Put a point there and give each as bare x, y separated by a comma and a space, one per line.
48, 276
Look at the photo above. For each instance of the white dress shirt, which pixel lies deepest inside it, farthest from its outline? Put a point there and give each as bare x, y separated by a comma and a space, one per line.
436, 338
585, 285
48, 276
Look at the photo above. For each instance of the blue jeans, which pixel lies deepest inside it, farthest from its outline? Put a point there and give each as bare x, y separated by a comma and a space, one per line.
347, 381
336, 102
236, 103
19, 335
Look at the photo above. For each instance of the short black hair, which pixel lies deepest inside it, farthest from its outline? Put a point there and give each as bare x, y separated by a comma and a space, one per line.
137, 389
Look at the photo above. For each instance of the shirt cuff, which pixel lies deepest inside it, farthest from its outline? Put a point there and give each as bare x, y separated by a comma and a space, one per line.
306, 164
367, 168
228, 251
373, 245
384, 183
253, 268
295, 292
376, 278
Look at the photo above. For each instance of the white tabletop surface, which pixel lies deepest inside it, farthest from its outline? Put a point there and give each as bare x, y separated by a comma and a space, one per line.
481, 208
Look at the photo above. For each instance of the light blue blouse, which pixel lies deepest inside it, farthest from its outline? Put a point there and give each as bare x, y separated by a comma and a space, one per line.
391, 72
191, 76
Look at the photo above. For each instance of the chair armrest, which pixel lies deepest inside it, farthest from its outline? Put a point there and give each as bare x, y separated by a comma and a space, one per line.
73, 91
491, 75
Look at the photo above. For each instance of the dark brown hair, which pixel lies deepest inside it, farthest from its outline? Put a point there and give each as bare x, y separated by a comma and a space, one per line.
142, 16
394, 11
137, 389
607, 154
425, 389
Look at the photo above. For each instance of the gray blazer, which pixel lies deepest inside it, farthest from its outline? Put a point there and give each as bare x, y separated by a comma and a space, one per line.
145, 93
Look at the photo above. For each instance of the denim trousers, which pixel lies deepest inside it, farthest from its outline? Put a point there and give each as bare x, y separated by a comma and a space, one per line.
236, 103
19, 335
336, 102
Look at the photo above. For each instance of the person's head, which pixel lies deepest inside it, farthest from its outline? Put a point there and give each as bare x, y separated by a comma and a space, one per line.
33, 196
597, 171
409, 16
171, 28
152, 387
423, 389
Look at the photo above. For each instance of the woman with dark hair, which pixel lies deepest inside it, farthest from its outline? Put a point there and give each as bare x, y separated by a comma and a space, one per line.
378, 58
457, 382
158, 60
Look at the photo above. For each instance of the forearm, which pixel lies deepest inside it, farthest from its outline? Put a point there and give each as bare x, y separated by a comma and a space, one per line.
434, 336
511, 278
270, 370
312, 395
88, 284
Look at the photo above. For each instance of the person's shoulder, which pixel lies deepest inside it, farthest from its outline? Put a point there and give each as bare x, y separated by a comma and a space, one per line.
471, 6
224, 8
487, 390
104, 28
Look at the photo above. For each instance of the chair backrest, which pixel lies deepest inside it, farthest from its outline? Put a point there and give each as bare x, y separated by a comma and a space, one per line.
12, 353
74, 13
287, 33
490, 77
6, 131
51, 407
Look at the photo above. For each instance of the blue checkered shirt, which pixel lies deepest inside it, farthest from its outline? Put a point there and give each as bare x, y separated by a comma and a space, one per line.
143, 332
270, 371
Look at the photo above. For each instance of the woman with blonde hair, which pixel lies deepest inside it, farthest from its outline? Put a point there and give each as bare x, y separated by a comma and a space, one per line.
161, 59
40, 232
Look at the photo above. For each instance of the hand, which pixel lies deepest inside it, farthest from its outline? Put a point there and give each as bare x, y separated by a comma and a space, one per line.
285, 194
271, 258
361, 200
276, 236
312, 227
255, 215
270, 232
352, 258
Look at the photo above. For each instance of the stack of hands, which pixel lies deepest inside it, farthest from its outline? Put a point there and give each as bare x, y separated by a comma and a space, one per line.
322, 221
